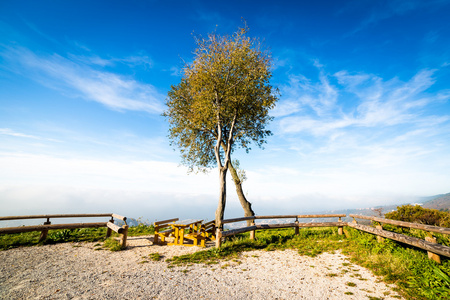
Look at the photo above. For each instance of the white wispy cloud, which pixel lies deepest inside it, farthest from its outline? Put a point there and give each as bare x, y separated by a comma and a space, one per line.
10, 132
300, 93
78, 78
361, 100
375, 132
132, 61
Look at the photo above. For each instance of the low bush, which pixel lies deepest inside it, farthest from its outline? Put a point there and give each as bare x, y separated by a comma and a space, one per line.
418, 214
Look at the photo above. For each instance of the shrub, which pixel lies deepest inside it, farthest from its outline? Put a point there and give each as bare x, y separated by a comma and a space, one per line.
418, 214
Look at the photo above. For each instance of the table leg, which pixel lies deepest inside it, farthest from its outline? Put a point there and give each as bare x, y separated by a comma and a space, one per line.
181, 235
176, 235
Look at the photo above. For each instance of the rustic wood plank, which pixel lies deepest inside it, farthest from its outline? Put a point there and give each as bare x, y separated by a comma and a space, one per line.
322, 224
435, 248
114, 227
54, 216
237, 220
430, 228
165, 221
210, 223
50, 227
322, 216
238, 230
269, 226
282, 217
119, 217
276, 217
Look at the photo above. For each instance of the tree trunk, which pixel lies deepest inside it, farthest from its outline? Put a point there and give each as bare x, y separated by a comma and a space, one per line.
246, 205
223, 196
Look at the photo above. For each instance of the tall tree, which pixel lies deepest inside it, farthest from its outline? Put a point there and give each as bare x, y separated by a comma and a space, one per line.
239, 176
221, 103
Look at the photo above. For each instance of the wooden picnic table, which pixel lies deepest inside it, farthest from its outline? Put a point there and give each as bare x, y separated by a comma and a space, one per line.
195, 233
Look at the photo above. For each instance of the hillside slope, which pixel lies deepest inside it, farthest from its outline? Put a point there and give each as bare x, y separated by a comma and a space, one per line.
440, 202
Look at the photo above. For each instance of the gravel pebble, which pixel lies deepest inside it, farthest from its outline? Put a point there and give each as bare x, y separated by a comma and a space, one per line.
78, 271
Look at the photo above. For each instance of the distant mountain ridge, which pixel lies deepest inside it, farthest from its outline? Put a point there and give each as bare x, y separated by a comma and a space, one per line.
439, 202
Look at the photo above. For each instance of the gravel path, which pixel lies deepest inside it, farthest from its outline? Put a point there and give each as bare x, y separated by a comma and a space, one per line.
77, 271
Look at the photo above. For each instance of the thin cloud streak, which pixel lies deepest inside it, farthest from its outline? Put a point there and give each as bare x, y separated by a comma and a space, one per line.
10, 132
380, 103
79, 79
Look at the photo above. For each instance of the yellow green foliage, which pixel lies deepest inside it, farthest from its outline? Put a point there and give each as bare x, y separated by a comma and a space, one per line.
418, 214
222, 100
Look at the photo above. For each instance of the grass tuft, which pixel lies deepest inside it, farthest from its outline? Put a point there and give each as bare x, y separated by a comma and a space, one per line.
155, 256
112, 245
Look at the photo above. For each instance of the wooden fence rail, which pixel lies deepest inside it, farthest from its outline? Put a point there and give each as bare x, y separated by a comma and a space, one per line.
56, 216
404, 224
429, 244
123, 231
253, 227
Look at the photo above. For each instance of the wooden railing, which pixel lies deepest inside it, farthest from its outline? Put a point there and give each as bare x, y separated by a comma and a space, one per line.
296, 224
123, 231
429, 244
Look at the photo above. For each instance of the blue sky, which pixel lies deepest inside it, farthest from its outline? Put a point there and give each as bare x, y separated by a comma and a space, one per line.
363, 117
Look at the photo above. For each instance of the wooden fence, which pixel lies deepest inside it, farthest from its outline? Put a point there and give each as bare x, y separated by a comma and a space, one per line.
429, 244
296, 224
123, 231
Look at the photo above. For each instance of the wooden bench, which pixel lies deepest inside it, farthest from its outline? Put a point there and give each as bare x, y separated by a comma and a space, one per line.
163, 230
209, 230
195, 237
123, 231
196, 234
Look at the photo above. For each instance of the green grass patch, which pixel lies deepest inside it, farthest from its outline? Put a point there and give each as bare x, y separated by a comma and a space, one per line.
112, 244
155, 256
141, 229
8, 241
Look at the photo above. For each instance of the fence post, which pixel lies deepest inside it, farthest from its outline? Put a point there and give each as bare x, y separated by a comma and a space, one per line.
379, 238
296, 226
340, 228
218, 237
432, 255
44, 232
123, 236
108, 230
253, 232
